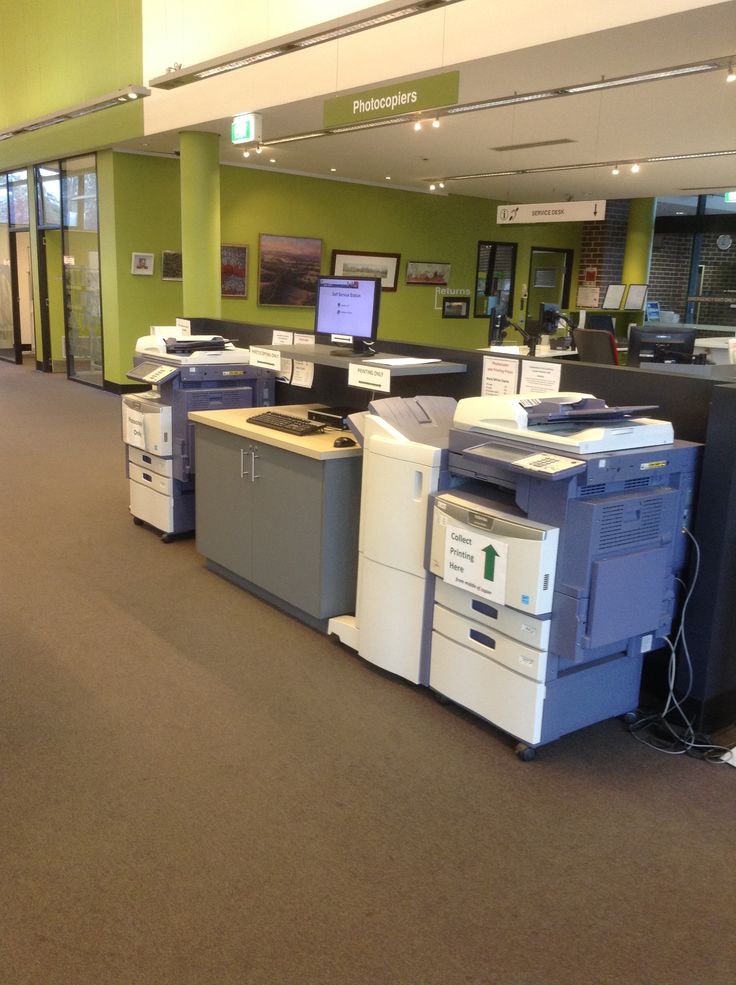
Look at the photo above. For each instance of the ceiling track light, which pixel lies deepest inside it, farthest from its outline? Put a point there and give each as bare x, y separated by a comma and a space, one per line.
615, 169
635, 169
119, 97
730, 73
417, 125
436, 123
376, 16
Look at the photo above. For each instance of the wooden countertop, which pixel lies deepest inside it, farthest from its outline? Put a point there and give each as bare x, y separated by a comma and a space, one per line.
320, 446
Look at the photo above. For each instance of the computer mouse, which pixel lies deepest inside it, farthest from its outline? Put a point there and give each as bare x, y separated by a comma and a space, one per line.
344, 442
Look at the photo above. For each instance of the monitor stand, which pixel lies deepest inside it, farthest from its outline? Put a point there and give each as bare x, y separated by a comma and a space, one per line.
359, 348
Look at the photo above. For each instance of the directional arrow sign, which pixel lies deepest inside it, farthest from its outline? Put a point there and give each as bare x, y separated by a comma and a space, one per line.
491, 554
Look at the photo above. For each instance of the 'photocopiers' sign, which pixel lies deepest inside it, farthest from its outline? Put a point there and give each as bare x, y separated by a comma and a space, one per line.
551, 212
476, 562
431, 92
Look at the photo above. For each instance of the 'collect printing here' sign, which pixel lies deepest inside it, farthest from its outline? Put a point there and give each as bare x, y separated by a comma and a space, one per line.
476, 563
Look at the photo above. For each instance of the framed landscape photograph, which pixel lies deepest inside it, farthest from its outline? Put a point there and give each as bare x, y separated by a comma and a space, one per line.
233, 271
141, 263
345, 263
171, 268
454, 307
288, 268
424, 272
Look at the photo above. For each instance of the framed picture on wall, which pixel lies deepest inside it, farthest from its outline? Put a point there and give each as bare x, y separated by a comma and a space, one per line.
635, 297
141, 263
233, 271
346, 263
171, 267
455, 307
288, 268
424, 272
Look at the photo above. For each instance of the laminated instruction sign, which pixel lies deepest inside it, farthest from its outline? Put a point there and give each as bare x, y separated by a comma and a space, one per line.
476, 562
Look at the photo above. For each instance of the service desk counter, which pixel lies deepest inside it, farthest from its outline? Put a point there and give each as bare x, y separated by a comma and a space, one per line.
278, 514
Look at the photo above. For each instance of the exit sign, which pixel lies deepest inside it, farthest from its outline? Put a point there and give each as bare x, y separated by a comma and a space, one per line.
246, 128
730, 196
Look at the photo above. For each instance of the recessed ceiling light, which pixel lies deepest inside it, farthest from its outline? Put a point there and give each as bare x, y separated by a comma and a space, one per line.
272, 160
388, 177
418, 125
333, 169
635, 169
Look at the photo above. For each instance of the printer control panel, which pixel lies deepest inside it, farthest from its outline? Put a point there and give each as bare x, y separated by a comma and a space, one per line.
554, 466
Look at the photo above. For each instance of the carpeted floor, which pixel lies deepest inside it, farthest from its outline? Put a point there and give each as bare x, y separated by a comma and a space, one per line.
195, 789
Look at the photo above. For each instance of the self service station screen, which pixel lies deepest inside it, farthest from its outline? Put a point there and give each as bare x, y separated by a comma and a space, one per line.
347, 308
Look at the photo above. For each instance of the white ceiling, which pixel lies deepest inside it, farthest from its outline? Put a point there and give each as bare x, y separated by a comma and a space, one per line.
675, 116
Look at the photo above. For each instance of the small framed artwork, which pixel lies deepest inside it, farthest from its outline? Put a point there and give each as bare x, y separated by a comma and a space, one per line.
288, 270
423, 272
141, 263
171, 268
636, 297
346, 263
233, 271
455, 307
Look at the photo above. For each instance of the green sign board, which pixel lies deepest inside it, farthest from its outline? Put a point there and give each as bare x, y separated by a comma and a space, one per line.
245, 128
432, 92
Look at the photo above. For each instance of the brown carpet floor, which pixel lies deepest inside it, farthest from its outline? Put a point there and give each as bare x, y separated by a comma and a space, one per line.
196, 789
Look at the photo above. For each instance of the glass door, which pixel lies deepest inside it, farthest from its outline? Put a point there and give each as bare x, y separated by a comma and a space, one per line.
81, 263
13, 222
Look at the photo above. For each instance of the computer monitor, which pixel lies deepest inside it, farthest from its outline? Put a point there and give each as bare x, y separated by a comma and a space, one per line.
548, 317
346, 310
603, 323
648, 344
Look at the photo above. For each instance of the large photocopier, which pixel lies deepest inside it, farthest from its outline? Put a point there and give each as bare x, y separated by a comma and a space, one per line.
556, 560
186, 373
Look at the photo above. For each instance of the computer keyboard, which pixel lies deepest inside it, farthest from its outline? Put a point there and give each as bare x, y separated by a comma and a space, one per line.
286, 423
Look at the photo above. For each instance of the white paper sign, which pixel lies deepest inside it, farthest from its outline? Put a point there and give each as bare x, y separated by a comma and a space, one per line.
538, 376
369, 377
588, 297
285, 374
265, 358
303, 338
303, 374
476, 562
500, 376
135, 428
184, 326
282, 338
552, 212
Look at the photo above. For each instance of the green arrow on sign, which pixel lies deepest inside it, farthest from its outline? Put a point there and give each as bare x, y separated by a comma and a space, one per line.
491, 554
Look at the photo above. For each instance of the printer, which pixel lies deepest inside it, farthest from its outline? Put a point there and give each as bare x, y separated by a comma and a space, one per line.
404, 441
185, 373
556, 560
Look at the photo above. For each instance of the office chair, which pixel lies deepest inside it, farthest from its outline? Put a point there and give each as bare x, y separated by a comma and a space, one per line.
596, 346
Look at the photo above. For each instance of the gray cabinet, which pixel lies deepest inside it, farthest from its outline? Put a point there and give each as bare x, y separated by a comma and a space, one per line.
283, 523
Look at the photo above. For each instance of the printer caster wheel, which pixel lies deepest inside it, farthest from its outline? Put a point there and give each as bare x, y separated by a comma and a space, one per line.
630, 718
167, 538
525, 753
441, 698
137, 521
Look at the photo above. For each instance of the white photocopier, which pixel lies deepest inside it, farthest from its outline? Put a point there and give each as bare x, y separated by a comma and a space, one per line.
557, 560
186, 373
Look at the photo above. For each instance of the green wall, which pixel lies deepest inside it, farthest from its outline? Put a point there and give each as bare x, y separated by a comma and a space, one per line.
139, 212
356, 217
57, 55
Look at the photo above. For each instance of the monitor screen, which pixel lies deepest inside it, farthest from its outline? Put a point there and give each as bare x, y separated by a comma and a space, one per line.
604, 323
346, 310
648, 344
652, 310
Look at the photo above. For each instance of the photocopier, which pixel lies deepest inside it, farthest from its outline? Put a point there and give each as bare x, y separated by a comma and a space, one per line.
186, 373
556, 558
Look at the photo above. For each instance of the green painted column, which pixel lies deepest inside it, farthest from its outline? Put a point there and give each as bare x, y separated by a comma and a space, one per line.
199, 161
639, 237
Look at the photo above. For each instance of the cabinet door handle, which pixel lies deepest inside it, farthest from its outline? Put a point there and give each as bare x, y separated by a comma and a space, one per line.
243, 473
253, 458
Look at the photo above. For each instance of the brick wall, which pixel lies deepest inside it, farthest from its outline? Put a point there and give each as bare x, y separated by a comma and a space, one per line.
670, 271
719, 277
603, 245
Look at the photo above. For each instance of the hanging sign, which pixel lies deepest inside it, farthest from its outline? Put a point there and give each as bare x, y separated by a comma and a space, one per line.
394, 100
552, 212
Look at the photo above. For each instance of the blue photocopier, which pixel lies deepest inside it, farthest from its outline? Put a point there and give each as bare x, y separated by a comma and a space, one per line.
556, 560
186, 373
